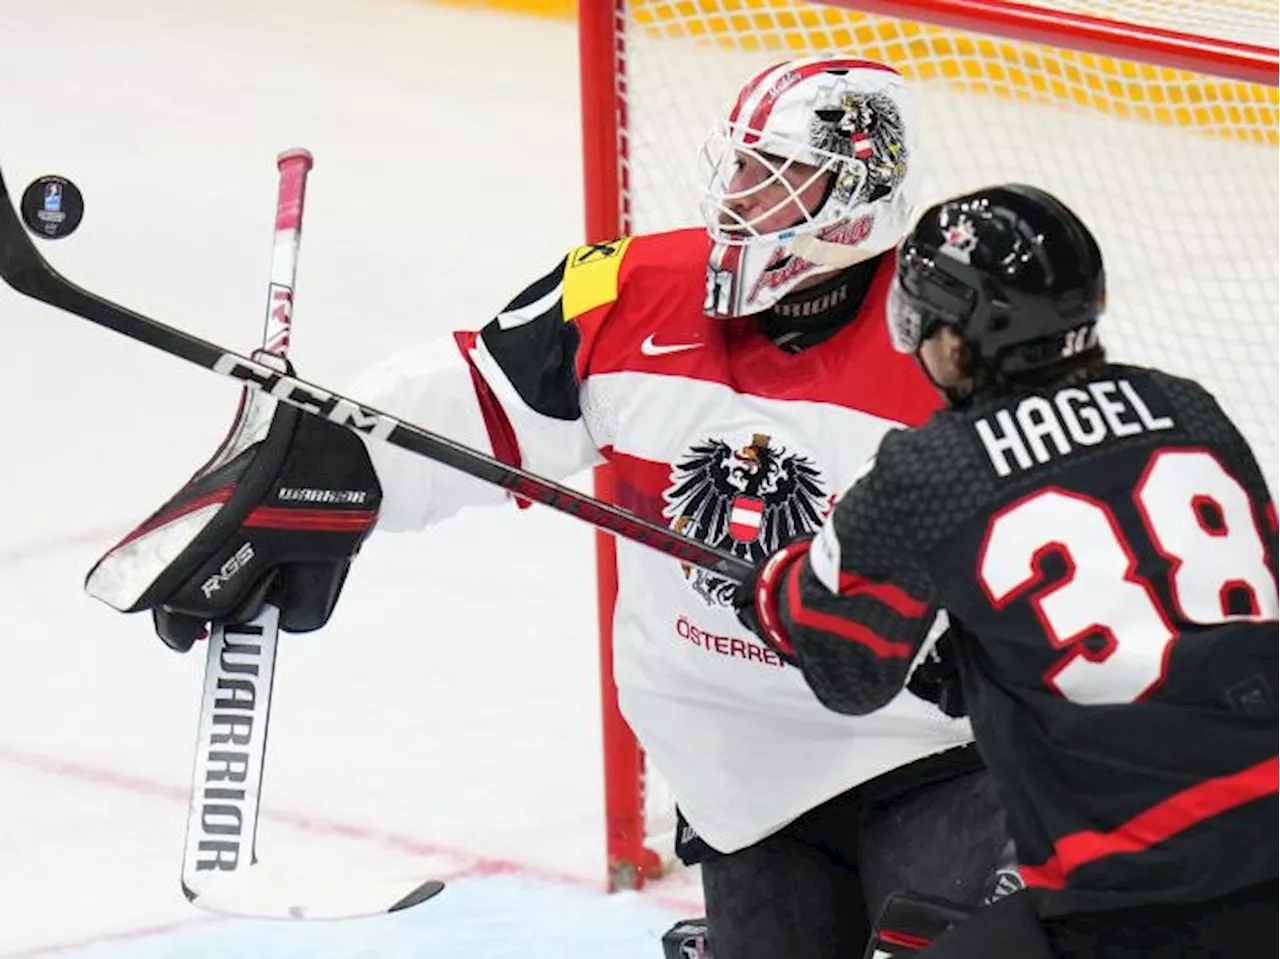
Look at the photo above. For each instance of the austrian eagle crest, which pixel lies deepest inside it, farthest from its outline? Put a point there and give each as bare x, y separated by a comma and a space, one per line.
748, 501
868, 128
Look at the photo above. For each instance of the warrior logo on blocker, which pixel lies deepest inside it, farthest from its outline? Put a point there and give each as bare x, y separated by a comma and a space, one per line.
748, 501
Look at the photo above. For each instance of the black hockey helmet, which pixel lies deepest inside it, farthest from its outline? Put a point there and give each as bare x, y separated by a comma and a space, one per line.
1014, 271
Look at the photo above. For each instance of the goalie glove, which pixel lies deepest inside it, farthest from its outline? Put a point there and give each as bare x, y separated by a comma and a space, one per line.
275, 516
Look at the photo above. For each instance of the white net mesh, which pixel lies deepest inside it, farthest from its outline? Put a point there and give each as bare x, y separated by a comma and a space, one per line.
1176, 172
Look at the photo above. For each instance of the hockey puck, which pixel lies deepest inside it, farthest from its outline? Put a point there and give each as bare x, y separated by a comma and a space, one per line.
52, 207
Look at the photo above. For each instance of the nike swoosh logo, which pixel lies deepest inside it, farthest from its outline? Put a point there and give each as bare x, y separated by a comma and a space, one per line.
650, 348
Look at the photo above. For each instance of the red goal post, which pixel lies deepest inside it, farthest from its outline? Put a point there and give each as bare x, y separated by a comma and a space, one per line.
1155, 119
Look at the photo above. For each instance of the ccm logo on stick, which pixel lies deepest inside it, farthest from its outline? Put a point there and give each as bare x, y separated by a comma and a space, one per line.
310, 398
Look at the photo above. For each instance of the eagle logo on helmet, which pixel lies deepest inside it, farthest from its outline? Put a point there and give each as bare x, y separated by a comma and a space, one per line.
867, 128
748, 501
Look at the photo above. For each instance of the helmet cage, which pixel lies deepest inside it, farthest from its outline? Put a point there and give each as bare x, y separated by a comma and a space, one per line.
720, 158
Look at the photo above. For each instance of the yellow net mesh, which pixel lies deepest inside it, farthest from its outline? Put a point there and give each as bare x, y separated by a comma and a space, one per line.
988, 65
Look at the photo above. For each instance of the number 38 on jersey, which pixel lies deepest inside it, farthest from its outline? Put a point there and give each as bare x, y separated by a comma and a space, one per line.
1197, 516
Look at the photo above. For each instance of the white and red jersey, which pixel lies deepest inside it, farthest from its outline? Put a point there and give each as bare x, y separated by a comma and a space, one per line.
714, 430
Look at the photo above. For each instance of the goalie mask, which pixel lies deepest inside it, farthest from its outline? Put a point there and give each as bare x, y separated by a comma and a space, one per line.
814, 170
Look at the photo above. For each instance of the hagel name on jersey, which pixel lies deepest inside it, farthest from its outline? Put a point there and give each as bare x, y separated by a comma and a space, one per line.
1040, 428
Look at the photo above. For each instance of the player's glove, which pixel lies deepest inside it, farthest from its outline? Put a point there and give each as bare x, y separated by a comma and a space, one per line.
275, 516
936, 677
755, 599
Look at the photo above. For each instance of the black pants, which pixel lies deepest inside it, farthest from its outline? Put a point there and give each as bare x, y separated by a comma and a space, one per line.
1241, 925
813, 889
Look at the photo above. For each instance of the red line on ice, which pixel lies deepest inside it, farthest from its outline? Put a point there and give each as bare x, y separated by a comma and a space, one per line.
470, 865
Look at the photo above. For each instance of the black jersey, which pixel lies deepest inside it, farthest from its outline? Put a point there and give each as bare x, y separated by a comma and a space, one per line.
1106, 551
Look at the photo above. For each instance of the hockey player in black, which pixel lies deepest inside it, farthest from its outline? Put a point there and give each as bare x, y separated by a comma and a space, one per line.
1104, 545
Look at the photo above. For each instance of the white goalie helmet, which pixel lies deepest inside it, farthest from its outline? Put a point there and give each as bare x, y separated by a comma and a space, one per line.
831, 142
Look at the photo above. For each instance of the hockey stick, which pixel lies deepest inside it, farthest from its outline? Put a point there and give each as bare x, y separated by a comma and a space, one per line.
23, 268
220, 869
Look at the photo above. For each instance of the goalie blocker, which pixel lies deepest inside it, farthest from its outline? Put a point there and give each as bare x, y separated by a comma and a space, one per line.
276, 515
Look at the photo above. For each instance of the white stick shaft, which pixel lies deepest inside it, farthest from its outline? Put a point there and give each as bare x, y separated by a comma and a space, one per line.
226, 787
231, 746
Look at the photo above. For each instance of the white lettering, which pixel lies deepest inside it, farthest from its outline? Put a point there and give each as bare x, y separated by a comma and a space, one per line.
1144, 413
1077, 412
310, 495
1042, 428
238, 561
347, 413
313, 399
298, 395
1007, 442
1111, 409
1079, 340
1036, 419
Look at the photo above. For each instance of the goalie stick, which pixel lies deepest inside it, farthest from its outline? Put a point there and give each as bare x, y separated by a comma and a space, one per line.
23, 268
220, 868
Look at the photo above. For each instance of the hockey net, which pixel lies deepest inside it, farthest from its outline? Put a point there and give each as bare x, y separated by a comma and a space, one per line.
1154, 119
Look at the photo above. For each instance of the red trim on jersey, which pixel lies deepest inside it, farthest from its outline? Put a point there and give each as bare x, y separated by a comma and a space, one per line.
899, 600
895, 938
168, 516
845, 628
638, 483
792, 78
1205, 507
651, 476
1162, 821
1269, 517
502, 436
318, 520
